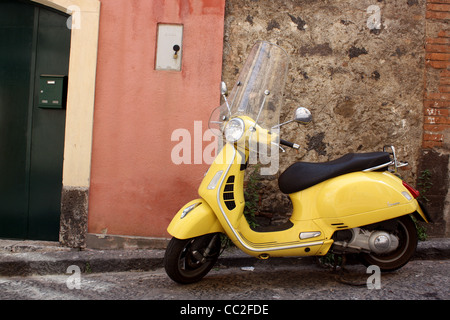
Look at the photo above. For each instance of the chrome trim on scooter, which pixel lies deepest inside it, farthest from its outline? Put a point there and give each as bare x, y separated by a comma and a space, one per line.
189, 209
310, 234
379, 167
237, 235
394, 162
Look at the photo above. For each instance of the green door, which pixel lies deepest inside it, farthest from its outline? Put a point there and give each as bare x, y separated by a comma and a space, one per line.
34, 41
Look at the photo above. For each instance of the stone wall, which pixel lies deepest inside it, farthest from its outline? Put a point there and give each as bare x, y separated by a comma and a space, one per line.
358, 65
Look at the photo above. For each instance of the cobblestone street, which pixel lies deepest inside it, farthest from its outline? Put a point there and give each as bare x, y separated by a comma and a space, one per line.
418, 280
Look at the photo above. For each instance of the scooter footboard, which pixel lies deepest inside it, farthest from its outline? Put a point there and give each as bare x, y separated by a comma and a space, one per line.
196, 218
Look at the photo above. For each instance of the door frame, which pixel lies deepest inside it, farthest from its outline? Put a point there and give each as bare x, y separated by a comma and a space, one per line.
81, 87
79, 116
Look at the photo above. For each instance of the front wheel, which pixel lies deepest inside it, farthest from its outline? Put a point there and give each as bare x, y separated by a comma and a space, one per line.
189, 260
406, 232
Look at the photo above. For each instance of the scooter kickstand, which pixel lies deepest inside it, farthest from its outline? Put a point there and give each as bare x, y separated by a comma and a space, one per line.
342, 264
340, 274
339, 262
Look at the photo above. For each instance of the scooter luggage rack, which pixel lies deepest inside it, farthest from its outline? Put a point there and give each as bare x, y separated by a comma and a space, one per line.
394, 162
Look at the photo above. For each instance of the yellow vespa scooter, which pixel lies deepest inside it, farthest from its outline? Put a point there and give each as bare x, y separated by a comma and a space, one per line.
353, 204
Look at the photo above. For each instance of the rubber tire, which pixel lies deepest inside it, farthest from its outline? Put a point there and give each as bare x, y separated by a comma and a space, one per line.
407, 233
181, 265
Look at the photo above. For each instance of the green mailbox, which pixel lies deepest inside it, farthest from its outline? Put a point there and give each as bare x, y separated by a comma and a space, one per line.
52, 91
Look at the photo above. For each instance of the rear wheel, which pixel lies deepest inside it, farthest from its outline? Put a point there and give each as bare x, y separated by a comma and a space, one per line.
406, 233
189, 260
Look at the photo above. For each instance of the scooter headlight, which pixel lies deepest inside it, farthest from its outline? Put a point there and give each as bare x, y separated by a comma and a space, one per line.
234, 130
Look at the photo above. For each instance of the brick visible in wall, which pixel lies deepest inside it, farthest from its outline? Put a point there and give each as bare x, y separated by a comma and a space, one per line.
436, 124
438, 9
437, 63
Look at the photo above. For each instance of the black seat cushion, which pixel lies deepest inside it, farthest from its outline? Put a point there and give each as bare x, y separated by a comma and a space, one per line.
302, 175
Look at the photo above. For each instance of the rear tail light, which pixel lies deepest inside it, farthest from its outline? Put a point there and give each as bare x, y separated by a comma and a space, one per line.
415, 193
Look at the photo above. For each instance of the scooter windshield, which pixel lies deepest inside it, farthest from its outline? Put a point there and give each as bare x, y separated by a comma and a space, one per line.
258, 93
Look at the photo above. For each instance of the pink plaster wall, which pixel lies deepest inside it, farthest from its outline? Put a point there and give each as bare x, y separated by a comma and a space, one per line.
135, 188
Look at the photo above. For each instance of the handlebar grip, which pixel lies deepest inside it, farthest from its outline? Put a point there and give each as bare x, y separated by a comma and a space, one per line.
289, 144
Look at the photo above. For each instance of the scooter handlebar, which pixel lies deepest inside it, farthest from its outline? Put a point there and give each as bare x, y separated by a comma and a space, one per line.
289, 144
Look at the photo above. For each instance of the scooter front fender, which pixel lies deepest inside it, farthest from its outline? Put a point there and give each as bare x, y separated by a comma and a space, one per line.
195, 221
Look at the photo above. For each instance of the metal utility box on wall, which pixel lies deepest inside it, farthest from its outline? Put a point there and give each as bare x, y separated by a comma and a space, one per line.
52, 91
169, 47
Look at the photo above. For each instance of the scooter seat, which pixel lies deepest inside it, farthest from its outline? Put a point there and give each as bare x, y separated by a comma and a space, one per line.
302, 175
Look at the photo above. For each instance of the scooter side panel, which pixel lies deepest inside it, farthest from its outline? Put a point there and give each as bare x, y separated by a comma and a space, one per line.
199, 221
353, 200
